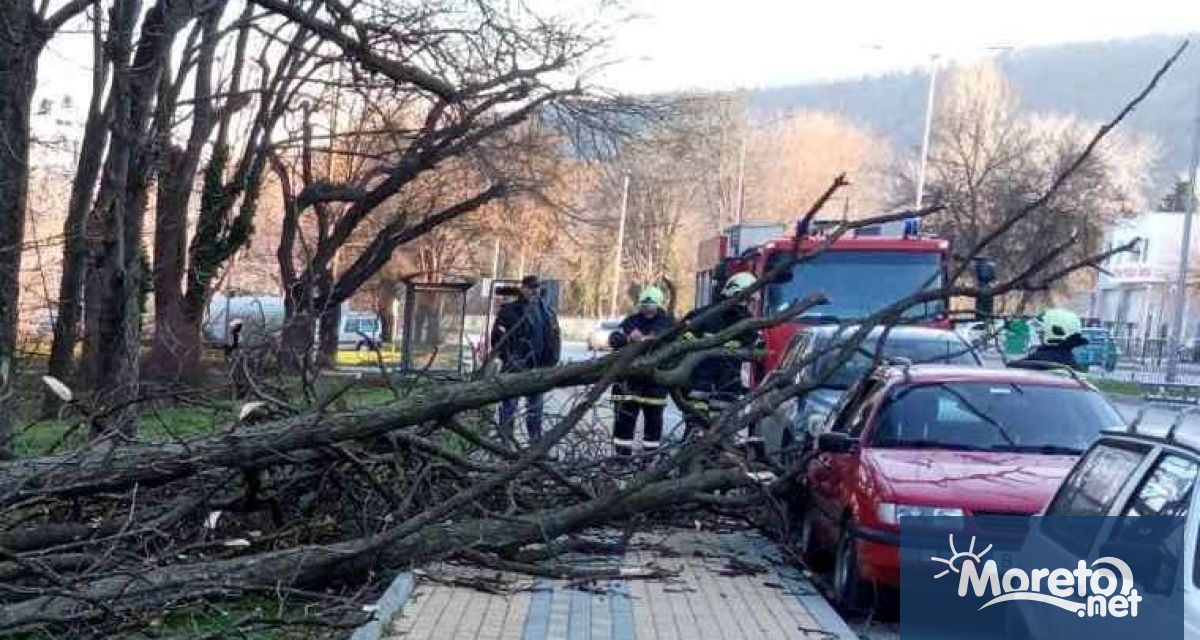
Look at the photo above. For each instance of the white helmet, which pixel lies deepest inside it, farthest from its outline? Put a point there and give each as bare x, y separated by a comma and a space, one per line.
738, 283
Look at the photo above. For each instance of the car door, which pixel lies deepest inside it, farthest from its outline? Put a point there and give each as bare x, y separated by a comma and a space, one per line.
1099, 483
832, 476
1156, 521
775, 427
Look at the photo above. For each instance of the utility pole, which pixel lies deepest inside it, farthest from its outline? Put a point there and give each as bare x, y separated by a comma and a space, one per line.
496, 261
612, 310
928, 127
741, 184
1189, 210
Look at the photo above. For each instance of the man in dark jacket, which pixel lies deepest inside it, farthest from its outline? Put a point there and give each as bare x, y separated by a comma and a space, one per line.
717, 375
1061, 334
631, 397
526, 336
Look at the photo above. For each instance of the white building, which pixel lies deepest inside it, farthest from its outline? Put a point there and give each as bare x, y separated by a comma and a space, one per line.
56, 128
1136, 297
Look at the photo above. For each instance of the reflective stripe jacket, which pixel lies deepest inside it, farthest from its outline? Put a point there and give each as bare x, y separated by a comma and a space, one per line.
640, 391
720, 373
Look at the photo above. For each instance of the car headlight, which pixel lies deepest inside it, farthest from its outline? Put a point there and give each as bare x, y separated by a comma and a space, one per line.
890, 513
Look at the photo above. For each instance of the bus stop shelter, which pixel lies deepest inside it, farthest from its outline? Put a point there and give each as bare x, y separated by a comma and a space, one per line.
433, 333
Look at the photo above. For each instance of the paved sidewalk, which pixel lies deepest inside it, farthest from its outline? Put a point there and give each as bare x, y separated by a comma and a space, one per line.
726, 586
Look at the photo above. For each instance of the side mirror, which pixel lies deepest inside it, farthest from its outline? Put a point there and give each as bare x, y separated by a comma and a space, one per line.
835, 442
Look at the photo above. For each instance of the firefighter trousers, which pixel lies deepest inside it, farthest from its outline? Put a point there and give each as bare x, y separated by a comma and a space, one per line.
625, 425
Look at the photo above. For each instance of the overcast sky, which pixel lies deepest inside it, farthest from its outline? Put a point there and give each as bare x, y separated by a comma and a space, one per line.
752, 43
724, 44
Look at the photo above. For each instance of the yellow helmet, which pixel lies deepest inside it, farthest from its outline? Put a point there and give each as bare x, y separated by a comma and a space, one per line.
652, 295
1059, 324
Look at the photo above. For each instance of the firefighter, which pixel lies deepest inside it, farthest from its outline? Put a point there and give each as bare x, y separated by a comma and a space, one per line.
631, 397
717, 376
1061, 334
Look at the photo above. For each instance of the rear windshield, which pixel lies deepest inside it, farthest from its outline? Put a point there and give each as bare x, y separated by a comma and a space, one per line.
979, 416
916, 351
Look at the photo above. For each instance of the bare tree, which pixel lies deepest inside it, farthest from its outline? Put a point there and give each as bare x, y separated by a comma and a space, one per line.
989, 157
462, 80
28, 26
232, 176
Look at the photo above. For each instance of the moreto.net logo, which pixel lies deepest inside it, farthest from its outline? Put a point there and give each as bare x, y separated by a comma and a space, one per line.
1105, 588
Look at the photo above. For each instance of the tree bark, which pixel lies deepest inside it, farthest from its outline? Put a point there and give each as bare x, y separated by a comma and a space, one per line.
20, 47
316, 564
117, 275
70, 291
175, 351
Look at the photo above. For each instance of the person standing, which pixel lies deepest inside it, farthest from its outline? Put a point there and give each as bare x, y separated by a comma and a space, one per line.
633, 397
1062, 332
717, 375
526, 336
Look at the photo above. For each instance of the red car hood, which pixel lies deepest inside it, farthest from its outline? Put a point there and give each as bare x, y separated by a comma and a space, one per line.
972, 481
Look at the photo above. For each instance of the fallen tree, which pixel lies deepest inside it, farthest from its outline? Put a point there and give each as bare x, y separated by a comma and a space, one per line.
317, 503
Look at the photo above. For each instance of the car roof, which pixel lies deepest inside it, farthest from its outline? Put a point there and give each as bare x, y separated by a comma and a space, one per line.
905, 332
1185, 436
933, 373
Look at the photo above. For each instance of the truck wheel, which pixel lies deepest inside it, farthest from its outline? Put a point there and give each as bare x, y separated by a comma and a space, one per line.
849, 589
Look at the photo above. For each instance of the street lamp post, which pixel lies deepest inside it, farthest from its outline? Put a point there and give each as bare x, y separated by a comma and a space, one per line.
928, 128
612, 310
1189, 211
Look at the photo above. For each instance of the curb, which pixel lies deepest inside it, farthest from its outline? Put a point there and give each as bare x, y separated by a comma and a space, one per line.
388, 605
803, 590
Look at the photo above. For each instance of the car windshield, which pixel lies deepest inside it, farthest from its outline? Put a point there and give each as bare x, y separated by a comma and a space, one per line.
947, 350
994, 416
859, 283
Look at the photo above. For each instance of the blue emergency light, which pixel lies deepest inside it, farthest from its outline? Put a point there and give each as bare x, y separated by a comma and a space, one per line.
912, 228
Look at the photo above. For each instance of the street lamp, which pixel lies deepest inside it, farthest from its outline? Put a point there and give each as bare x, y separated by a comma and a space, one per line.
928, 127
929, 104
1189, 211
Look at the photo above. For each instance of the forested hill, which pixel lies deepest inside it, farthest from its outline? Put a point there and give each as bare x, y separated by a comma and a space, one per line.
1091, 80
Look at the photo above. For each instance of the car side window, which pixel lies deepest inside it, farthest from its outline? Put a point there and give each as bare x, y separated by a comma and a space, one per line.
1165, 492
1090, 490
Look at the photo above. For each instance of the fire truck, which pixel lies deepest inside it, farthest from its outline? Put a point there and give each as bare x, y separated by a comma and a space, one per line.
860, 273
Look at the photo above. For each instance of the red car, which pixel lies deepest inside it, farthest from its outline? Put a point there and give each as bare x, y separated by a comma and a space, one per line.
938, 440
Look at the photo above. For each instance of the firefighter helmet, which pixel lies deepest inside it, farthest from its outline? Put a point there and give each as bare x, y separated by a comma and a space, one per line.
652, 295
1059, 324
738, 283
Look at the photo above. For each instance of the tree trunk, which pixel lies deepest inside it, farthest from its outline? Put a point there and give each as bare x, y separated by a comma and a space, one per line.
174, 353
331, 320
299, 327
87, 172
19, 49
117, 264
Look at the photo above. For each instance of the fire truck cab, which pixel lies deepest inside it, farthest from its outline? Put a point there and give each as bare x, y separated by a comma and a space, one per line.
860, 273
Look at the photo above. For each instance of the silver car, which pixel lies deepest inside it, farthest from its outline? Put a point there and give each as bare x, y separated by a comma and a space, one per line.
795, 421
598, 338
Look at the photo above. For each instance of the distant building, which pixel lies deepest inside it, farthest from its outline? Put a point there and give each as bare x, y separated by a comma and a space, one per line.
57, 131
1137, 295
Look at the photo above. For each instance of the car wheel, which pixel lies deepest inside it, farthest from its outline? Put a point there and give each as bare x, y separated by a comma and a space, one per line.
849, 589
808, 544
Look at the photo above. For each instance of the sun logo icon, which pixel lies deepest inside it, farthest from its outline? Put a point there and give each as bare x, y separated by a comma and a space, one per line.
957, 558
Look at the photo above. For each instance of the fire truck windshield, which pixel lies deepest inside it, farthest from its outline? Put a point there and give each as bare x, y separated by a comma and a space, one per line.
859, 283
